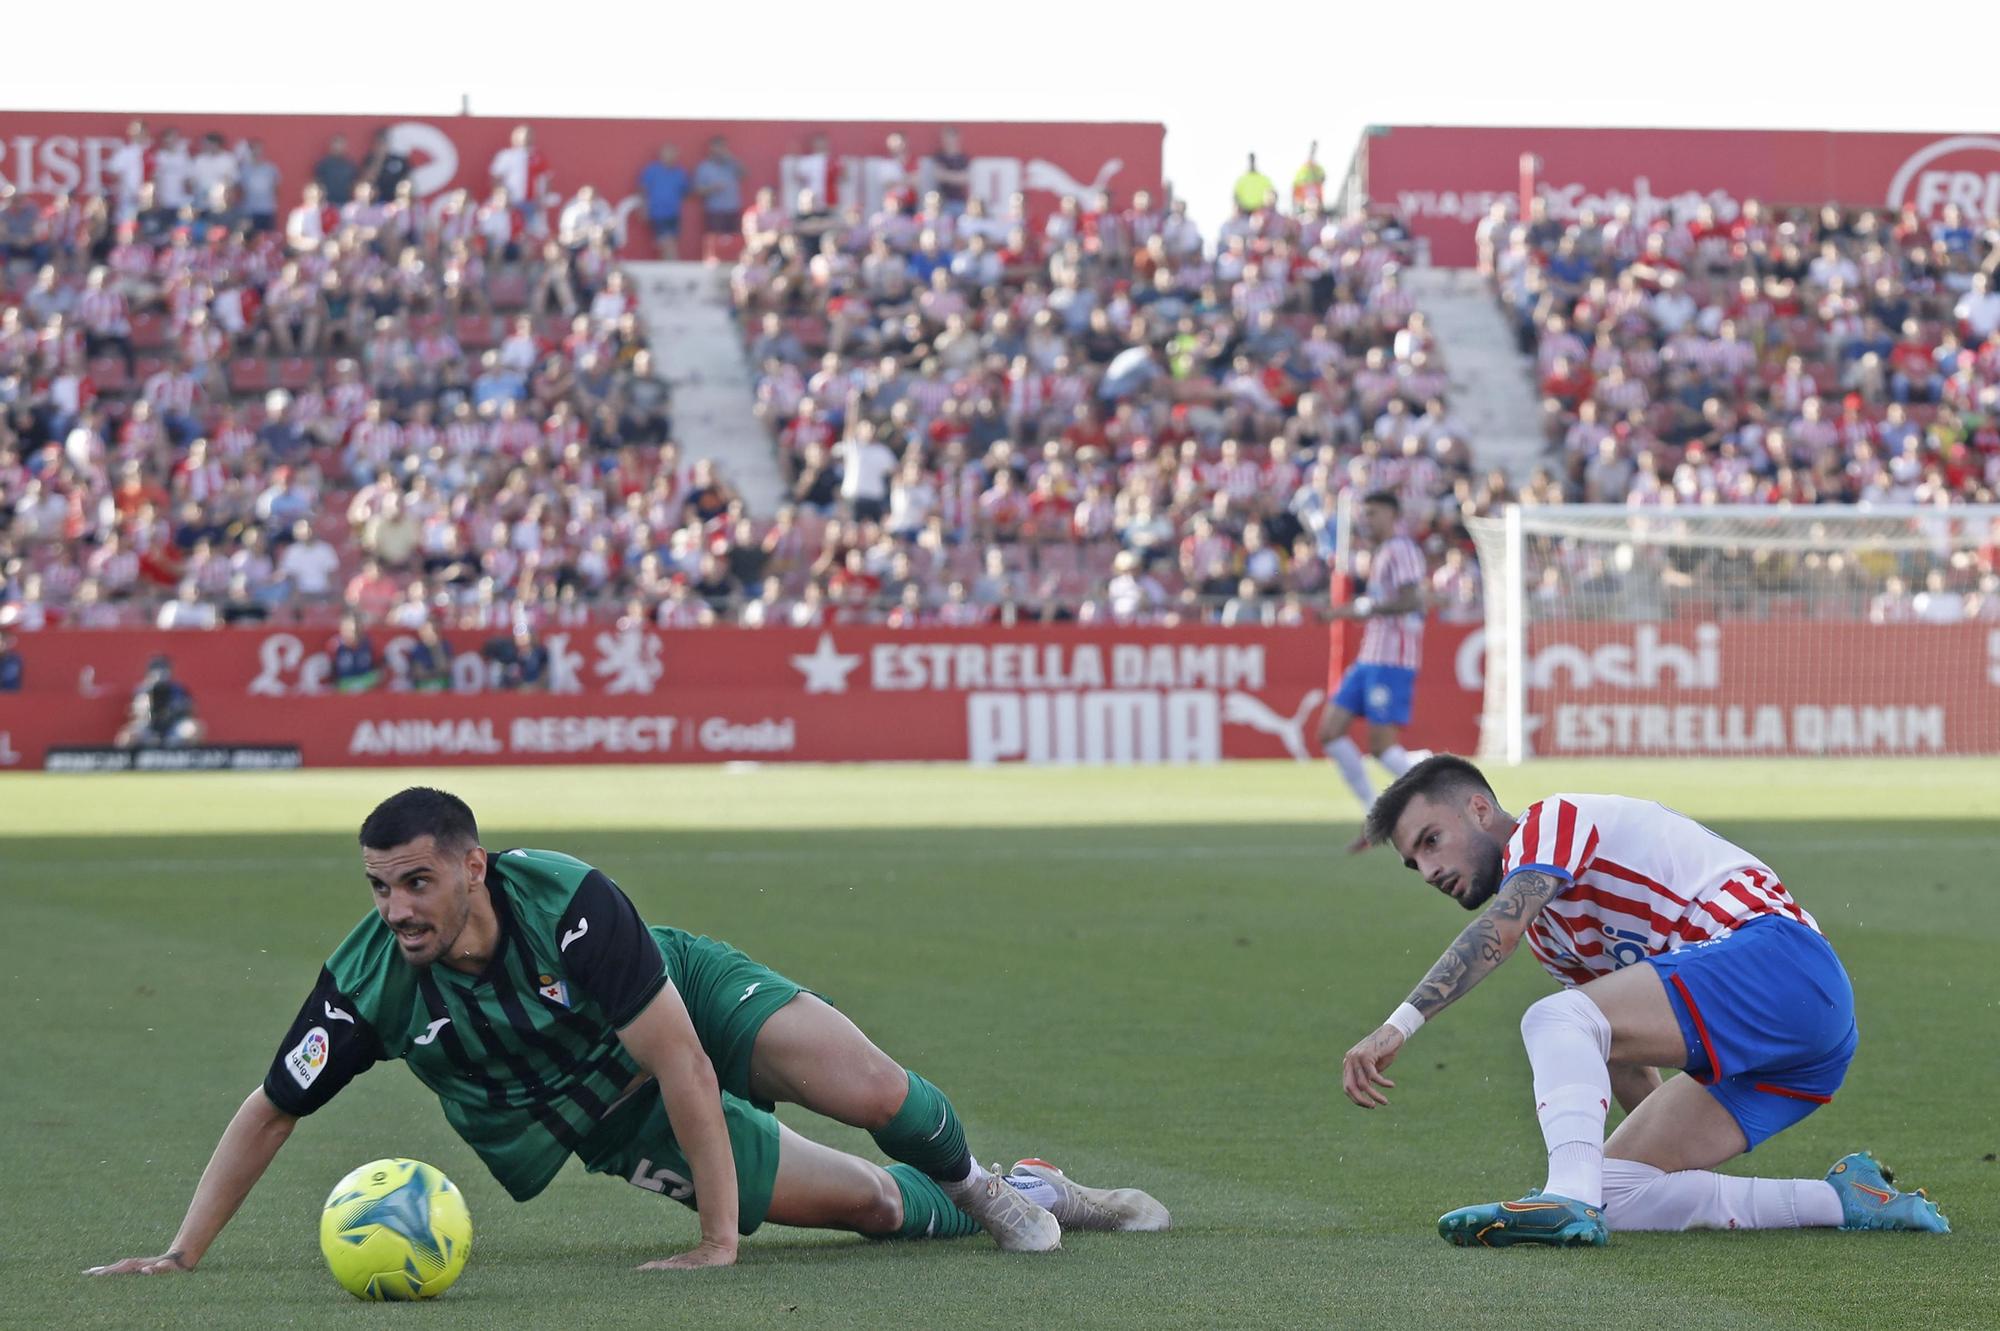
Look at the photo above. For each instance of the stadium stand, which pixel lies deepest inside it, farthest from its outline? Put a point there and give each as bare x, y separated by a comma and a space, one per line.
1096, 415
214, 415
1786, 356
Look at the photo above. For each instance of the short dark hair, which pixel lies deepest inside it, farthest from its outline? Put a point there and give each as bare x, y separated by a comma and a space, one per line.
1439, 774
417, 812
1385, 497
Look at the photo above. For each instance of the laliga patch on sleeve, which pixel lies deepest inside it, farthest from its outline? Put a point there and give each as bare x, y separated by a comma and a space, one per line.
307, 1057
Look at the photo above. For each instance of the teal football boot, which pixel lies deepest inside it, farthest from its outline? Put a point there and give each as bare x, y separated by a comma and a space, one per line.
1540, 1217
1869, 1199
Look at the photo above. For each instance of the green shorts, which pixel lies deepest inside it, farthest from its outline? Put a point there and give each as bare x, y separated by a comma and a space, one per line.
636, 1143
729, 997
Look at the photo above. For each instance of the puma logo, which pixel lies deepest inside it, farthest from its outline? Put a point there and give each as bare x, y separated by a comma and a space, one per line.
1245, 709
582, 928
432, 1033
338, 1014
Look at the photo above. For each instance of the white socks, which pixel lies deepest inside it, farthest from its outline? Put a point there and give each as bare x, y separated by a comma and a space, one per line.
1397, 759
974, 1181
1347, 758
1568, 1043
1037, 1190
1638, 1196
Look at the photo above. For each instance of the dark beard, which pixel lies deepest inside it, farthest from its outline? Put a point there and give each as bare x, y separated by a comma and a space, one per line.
1485, 873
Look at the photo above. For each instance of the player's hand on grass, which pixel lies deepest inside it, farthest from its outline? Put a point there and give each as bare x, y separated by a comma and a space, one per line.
165, 1264
707, 1254
1361, 1070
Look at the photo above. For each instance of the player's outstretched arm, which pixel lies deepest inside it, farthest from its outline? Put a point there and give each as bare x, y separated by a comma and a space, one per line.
1473, 955
246, 1150
663, 1041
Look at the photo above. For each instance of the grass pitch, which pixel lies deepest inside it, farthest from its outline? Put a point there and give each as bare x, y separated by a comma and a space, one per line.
1148, 976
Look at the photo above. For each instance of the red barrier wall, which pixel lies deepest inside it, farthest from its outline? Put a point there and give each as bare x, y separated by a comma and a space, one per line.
1444, 178
44, 152
1054, 694
989, 695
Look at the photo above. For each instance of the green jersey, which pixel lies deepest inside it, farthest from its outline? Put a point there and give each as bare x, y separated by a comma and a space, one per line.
525, 1056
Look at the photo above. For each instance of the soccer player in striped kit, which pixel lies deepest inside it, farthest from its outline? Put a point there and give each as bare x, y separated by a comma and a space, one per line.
1676, 949
550, 1020
1379, 685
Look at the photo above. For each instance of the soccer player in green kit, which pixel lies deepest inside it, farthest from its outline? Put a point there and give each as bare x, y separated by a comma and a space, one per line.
526, 992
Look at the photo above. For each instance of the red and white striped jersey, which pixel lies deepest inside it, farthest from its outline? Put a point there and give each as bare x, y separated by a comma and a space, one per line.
1394, 640
1643, 880
102, 310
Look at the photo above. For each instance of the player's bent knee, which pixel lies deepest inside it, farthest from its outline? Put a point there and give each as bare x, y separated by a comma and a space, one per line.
1570, 1009
885, 1086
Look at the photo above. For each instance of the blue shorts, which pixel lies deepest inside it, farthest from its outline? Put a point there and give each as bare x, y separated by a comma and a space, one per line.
1377, 693
1768, 1016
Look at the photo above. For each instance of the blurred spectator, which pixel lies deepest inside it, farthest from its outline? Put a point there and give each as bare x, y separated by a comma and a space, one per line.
309, 563
385, 168
11, 668
1309, 182
428, 661
1253, 189
718, 182
519, 169
162, 712
663, 185
336, 173
188, 610
260, 179
520, 660
355, 666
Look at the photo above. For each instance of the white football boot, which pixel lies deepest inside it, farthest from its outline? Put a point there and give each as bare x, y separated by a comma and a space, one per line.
1016, 1224
1078, 1207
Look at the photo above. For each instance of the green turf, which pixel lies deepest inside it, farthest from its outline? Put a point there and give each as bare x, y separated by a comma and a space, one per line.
1146, 975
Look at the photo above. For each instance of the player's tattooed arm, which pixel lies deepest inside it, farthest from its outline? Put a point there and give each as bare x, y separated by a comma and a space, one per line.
1486, 942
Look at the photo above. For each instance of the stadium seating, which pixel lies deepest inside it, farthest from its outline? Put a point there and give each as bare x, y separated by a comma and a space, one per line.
1129, 377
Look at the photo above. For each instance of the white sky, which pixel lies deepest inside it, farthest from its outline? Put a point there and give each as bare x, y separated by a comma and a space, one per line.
1262, 75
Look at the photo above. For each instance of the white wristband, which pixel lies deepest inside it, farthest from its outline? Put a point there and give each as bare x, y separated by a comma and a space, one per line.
1363, 606
1405, 1019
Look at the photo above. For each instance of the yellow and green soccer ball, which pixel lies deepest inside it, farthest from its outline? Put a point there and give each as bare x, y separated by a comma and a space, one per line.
395, 1229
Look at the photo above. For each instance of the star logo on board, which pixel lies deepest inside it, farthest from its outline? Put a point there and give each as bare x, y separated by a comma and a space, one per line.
405, 1211
826, 668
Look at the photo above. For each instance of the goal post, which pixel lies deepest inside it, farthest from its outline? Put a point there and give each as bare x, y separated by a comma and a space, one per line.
1740, 630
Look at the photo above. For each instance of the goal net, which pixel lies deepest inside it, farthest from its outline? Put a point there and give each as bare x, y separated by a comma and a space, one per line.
1740, 630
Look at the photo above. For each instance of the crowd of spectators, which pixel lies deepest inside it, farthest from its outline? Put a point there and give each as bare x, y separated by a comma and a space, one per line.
1093, 414
228, 398
1782, 356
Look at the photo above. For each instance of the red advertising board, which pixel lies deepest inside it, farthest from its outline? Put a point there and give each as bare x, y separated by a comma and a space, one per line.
1444, 178
839, 694
47, 152
1799, 688
1035, 695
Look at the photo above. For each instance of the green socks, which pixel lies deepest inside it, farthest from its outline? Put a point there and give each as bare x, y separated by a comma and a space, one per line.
926, 1133
927, 1212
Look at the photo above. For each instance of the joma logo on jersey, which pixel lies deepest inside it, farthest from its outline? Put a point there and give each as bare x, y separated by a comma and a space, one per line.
307, 1057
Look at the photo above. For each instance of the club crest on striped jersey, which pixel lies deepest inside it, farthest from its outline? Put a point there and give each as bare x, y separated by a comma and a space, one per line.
549, 987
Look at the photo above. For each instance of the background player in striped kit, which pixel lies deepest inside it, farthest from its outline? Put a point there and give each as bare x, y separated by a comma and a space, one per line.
1379, 685
1677, 949
526, 992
